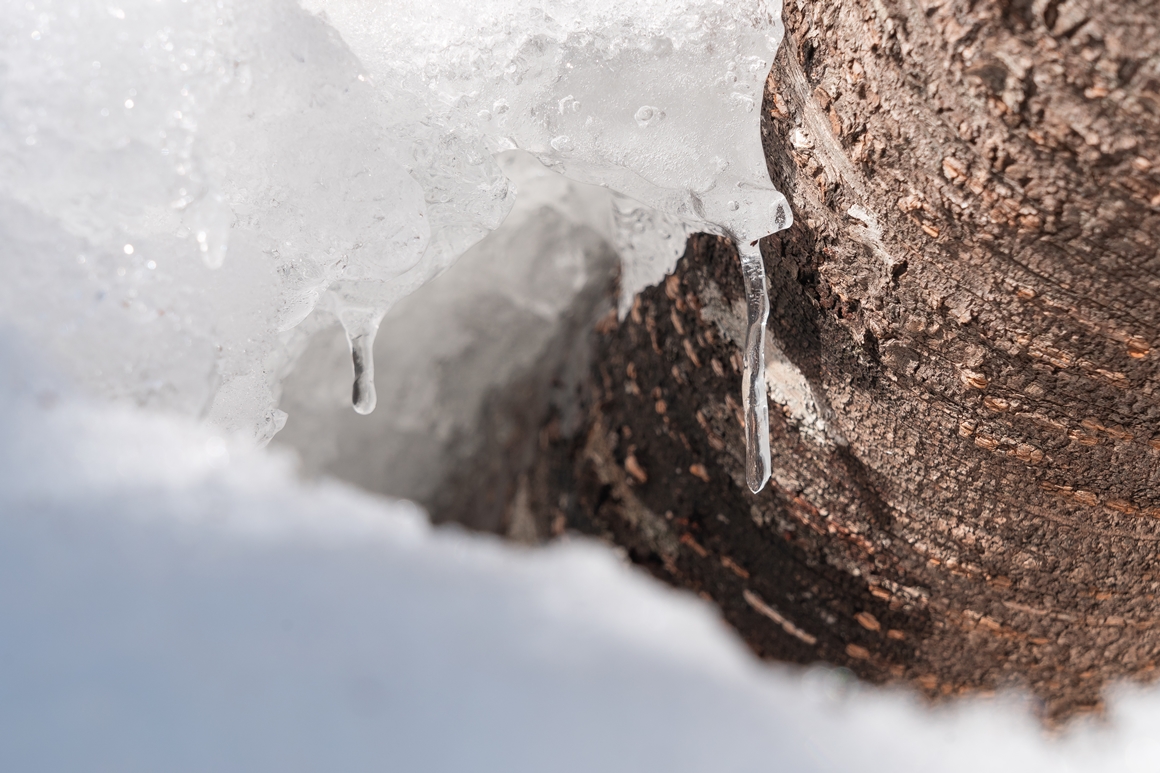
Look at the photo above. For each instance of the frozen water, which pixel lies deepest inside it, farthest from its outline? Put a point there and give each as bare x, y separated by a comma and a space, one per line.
478, 359
753, 391
656, 101
185, 183
361, 327
182, 185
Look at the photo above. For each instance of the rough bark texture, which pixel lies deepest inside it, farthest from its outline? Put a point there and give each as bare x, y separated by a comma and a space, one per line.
972, 290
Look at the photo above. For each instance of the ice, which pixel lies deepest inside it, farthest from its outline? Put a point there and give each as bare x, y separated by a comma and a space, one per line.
649, 243
755, 396
186, 190
184, 184
361, 328
753, 391
656, 100
511, 317
480, 358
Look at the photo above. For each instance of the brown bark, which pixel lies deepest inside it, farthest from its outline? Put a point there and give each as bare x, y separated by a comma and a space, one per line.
972, 289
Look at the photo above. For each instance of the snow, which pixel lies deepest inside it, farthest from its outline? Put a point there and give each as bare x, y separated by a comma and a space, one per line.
173, 600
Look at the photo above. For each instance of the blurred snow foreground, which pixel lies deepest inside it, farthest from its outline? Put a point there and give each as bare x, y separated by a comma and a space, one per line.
188, 190
174, 601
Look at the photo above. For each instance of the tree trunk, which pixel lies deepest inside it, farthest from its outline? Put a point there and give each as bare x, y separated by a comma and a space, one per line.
966, 489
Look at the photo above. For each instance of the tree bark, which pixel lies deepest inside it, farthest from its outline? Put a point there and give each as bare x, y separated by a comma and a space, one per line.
971, 288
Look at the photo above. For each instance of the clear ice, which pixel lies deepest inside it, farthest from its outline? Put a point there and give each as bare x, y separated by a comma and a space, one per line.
361, 327
754, 399
187, 190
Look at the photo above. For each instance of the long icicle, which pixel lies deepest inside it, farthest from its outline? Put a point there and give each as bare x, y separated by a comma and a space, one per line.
754, 397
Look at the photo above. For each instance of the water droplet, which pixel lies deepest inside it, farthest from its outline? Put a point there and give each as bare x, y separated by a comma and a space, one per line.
562, 143
128, 104
128, 249
733, 206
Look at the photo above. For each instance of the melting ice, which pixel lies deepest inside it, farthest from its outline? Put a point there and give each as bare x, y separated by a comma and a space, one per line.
185, 184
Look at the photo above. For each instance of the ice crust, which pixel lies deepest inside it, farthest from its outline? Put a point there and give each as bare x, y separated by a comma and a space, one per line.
185, 182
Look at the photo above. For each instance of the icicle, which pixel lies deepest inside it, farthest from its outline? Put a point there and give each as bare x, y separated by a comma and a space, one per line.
363, 393
753, 393
361, 327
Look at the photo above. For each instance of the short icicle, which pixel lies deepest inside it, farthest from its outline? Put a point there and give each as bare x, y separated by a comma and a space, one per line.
361, 327
363, 393
754, 397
